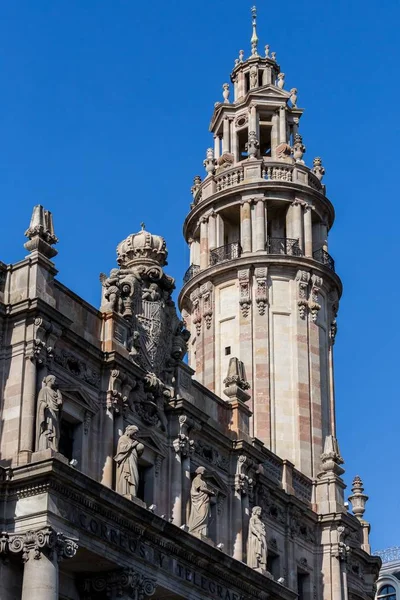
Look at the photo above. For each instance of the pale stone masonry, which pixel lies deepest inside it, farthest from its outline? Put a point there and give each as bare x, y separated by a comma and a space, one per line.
127, 473
257, 230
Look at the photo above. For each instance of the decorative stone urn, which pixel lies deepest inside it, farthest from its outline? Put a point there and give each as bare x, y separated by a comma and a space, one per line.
298, 148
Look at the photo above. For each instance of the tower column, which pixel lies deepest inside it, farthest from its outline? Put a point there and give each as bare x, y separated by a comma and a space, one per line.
253, 120
259, 226
212, 232
274, 135
235, 144
282, 125
324, 235
241, 85
191, 250
217, 146
204, 257
308, 243
245, 226
220, 230
226, 136
297, 224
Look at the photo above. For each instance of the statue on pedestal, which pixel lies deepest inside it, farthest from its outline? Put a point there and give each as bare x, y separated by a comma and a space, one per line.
49, 415
257, 550
200, 497
128, 452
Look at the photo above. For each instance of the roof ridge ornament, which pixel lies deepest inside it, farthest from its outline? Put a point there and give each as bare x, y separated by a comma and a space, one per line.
40, 233
254, 38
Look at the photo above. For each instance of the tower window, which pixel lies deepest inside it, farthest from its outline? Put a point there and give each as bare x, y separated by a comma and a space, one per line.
247, 81
242, 141
227, 350
387, 592
265, 140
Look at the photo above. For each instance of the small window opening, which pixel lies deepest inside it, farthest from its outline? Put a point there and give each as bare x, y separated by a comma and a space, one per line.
145, 489
242, 135
273, 565
227, 350
66, 444
260, 78
303, 584
265, 140
247, 82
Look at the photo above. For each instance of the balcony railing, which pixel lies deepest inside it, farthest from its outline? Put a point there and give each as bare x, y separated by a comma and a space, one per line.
326, 259
190, 273
224, 253
283, 246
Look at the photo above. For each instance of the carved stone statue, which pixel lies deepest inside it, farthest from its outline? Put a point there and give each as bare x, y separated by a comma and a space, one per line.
48, 415
200, 497
152, 293
111, 292
257, 550
128, 452
253, 77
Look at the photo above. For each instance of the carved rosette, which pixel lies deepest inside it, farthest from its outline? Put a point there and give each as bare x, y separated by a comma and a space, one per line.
316, 284
33, 544
206, 292
118, 583
244, 291
261, 289
302, 279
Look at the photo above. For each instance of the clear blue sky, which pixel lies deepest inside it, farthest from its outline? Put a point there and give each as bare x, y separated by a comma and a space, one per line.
104, 114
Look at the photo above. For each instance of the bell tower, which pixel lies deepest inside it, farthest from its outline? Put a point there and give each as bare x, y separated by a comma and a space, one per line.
261, 286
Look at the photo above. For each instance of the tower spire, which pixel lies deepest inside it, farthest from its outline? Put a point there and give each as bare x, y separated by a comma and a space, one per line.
254, 38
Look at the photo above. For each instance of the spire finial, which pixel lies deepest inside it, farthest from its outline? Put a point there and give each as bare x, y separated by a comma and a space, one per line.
254, 38
143, 226
40, 233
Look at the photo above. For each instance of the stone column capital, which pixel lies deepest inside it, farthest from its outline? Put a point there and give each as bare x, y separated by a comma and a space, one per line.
183, 445
33, 544
129, 581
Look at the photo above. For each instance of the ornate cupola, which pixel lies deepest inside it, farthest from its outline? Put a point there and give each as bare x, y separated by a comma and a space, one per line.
261, 286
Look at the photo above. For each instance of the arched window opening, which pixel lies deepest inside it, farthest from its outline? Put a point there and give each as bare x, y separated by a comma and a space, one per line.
387, 592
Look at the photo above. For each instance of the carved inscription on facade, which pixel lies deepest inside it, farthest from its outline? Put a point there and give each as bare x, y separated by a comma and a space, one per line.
160, 560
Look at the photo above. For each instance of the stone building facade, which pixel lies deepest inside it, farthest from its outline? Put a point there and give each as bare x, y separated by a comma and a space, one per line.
388, 584
128, 473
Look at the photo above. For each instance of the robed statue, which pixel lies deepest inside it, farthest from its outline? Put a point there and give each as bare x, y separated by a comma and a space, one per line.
200, 496
257, 550
129, 450
49, 415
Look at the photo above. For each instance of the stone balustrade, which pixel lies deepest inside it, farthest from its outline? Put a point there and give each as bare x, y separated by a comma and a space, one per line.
264, 169
229, 178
